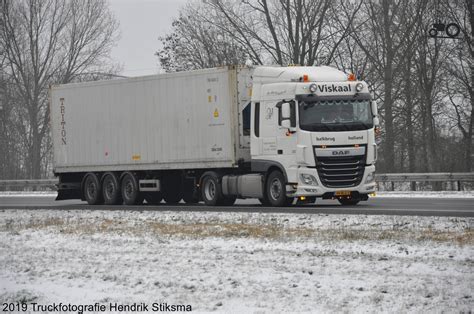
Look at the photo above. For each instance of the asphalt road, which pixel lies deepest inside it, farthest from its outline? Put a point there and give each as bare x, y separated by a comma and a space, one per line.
455, 207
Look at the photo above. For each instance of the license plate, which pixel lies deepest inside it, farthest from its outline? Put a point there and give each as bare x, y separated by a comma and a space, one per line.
343, 193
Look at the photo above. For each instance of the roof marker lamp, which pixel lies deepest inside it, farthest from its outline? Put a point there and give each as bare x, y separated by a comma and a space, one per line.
313, 88
359, 87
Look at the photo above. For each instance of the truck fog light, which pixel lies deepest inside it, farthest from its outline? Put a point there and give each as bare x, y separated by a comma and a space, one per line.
359, 87
370, 178
308, 179
312, 88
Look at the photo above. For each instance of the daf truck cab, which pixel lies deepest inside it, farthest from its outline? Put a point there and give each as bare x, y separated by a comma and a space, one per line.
316, 126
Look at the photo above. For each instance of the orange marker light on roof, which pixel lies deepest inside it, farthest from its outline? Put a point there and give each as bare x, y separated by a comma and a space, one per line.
351, 77
305, 78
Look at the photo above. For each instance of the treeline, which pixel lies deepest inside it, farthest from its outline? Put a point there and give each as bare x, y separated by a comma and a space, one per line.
45, 42
423, 85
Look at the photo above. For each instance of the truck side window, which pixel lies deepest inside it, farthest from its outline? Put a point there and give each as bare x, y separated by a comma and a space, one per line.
293, 113
257, 119
246, 120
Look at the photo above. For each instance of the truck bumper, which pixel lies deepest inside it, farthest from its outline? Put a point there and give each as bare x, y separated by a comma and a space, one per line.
303, 189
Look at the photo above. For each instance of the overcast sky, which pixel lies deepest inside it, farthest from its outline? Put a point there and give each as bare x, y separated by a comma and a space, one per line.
141, 23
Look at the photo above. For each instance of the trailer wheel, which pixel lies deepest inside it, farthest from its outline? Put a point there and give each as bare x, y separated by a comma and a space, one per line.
211, 189
348, 202
172, 189
130, 190
275, 190
92, 189
111, 190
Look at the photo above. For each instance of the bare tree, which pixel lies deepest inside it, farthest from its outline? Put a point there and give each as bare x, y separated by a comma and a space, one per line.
46, 42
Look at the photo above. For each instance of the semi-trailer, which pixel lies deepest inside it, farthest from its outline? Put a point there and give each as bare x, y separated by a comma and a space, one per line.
215, 135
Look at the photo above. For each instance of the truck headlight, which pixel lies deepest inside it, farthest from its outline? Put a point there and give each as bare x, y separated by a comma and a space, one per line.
370, 178
308, 179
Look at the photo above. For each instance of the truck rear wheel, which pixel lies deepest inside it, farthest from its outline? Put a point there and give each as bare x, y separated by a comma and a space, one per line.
111, 190
211, 189
275, 190
172, 189
130, 190
92, 190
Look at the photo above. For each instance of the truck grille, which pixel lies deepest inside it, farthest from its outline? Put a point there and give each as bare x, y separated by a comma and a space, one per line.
340, 171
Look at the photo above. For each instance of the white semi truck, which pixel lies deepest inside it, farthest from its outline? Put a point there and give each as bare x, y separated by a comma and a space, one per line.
215, 135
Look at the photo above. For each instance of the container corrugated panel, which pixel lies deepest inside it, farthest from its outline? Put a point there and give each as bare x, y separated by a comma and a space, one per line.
170, 121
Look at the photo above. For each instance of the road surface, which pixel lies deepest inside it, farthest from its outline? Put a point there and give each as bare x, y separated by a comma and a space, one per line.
455, 207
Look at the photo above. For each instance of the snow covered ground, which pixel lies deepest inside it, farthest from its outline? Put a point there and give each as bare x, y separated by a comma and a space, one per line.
238, 262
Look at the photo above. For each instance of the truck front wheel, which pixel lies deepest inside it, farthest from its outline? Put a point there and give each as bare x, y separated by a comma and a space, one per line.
275, 190
130, 190
92, 189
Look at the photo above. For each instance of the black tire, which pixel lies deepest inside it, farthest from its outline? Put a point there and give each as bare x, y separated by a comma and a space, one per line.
111, 190
452, 30
130, 190
92, 190
348, 202
172, 189
211, 189
264, 201
153, 198
190, 193
275, 190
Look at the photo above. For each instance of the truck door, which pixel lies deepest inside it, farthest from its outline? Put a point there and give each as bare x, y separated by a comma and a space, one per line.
273, 139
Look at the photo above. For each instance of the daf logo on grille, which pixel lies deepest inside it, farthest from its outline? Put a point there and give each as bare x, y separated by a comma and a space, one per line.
340, 152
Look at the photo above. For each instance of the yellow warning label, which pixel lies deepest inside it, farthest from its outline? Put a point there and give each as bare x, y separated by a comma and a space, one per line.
136, 157
216, 113
209, 98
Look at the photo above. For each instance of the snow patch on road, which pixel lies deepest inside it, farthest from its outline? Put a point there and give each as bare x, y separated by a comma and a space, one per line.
238, 261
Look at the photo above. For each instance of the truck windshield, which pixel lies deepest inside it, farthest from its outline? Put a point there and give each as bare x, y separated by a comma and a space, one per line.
335, 115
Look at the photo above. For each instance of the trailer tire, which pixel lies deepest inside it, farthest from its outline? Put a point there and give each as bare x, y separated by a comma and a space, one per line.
211, 189
172, 189
275, 190
130, 190
111, 189
92, 189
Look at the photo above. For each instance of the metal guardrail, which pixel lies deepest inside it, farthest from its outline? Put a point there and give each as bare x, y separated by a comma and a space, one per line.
457, 177
425, 177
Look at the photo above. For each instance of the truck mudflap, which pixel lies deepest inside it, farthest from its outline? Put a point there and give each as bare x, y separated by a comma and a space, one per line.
68, 191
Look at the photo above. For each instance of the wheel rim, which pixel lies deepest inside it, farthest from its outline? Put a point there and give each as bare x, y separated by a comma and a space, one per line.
128, 189
275, 189
109, 188
210, 189
91, 190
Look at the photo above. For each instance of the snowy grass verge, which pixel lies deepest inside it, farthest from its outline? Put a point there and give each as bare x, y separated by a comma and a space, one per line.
238, 261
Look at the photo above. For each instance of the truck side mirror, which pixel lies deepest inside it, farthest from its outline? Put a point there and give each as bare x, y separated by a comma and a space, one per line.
375, 111
286, 123
376, 121
285, 112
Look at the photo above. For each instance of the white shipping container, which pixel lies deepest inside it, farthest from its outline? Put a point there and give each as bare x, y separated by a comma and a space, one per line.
190, 120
